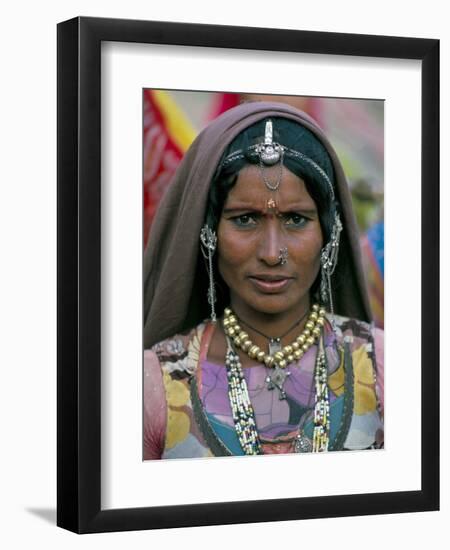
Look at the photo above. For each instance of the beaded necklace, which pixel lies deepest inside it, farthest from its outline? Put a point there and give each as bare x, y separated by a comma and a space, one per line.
280, 358
244, 417
274, 341
284, 356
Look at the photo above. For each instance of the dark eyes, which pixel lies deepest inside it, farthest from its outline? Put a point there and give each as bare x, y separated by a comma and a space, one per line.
245, 220
295, 219
291, 219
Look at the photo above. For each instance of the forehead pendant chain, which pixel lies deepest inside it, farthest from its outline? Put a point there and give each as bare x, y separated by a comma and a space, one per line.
270, 153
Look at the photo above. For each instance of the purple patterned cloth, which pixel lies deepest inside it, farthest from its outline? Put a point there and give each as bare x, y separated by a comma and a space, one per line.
274, 417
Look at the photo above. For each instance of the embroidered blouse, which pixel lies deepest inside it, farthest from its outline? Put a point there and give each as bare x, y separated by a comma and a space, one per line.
187, 413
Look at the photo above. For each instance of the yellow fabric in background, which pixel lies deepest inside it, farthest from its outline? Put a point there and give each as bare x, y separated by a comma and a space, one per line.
365, 398
177, 124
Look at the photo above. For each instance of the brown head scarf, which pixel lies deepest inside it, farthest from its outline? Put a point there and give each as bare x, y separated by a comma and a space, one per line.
175, 285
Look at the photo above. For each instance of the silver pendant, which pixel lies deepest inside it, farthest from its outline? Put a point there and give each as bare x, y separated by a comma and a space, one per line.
274, 345
277, 380
302, 443
269, 152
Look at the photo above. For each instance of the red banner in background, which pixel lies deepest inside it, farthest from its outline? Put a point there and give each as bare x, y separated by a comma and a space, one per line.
167, 135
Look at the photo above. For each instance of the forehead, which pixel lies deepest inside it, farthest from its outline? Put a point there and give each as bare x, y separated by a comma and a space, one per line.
250, 187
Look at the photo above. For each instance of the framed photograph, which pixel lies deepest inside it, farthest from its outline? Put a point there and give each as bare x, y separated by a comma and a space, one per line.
333, 141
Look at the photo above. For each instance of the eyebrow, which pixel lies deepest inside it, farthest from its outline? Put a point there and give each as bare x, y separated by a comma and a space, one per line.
293, 208
240, 208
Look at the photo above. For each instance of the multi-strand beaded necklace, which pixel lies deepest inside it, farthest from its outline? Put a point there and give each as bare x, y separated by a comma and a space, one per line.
277, 359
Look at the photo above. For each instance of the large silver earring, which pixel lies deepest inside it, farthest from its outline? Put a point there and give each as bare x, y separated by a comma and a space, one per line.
208, 240
328, 262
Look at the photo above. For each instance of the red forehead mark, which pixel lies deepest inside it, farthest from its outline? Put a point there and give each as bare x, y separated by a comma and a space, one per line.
271, 207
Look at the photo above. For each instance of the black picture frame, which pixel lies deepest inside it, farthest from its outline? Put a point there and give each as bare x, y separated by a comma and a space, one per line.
79, 275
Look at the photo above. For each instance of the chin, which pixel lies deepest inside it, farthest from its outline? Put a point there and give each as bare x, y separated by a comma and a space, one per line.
273, 305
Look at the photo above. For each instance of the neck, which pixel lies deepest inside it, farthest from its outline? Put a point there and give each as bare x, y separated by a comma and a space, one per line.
286, 325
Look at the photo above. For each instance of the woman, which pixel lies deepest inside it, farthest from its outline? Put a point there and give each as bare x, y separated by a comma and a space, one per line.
253, 254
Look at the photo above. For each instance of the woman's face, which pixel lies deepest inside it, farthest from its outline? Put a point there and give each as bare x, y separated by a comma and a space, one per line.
255, 225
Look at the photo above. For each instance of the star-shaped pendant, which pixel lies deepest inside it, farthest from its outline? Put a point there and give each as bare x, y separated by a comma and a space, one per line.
277, 380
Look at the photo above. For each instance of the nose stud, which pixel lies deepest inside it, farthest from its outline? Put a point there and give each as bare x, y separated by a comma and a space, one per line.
283, 257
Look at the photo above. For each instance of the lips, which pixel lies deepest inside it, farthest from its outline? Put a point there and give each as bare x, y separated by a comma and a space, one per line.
270, 284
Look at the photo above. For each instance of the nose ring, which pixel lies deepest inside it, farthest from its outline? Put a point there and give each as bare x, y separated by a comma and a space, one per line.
283, 257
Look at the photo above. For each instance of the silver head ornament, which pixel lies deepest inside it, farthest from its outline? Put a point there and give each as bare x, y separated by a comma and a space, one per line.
270, 153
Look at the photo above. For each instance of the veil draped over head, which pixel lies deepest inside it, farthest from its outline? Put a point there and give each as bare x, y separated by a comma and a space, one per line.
175, 283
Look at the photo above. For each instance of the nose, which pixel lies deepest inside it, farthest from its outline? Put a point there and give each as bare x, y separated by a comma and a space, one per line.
271, 244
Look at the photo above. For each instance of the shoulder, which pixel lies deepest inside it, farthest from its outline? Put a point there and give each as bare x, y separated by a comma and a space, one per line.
366, 344
350, 327
357, 332
179, 352
363, 339
168, 366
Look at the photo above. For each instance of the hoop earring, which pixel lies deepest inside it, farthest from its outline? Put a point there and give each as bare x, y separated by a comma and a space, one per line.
328, 262
208, 239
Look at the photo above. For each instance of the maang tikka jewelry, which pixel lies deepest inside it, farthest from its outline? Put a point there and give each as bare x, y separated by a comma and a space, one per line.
208, 240
328, 262
283, 257
270, 153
